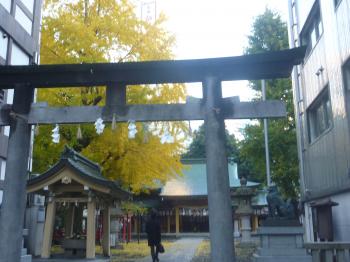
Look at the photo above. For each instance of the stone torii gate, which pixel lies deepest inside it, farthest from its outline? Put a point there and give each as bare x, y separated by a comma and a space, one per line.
212, 108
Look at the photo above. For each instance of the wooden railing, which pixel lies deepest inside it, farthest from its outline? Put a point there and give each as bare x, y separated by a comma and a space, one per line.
329, 251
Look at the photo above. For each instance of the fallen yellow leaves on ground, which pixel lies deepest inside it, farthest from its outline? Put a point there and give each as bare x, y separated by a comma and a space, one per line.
131, 251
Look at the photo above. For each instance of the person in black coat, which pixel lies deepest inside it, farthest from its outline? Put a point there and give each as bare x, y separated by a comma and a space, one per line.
153, 235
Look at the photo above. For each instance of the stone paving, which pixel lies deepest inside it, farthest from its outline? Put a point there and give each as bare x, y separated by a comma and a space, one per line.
182, 250
74, 260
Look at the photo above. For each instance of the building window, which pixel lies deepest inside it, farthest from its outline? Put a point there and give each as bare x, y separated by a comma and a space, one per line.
336, 3
312, 30
346, 75
3, 44
319, 115
9, 96
29, 4
6, 130
2, 169
6, 4
1, 197
2, 96
18, 56
9, 100
23, 20
346, 81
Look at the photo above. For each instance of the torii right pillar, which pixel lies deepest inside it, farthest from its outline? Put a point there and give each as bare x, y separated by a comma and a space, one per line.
219, 200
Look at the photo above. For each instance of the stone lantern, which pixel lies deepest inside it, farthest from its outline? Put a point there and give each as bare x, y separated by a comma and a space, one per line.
244, 210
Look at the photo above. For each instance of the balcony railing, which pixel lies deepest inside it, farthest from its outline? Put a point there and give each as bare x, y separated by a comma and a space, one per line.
329, 251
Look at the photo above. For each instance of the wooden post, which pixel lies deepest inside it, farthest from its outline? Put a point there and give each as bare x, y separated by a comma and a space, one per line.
128, 229
14, 190
168, 223
124, 228
256, 222
135, 217
91, 232
138, 227
219, 200
48, 229
106, 232
177, 221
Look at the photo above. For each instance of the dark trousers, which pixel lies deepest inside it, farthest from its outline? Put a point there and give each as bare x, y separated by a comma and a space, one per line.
154, 252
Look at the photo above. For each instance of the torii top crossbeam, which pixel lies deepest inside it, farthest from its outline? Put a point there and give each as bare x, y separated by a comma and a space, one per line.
249, 67
116, 76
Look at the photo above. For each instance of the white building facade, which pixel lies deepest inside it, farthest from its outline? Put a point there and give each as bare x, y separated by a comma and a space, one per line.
321, 88
19, 45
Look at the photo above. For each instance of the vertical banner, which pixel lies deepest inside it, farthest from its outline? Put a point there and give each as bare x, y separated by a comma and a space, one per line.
149, 11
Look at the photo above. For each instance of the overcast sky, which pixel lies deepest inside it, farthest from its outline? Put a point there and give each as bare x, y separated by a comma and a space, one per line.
215, 28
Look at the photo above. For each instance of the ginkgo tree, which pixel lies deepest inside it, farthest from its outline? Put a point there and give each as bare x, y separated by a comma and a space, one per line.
90, 31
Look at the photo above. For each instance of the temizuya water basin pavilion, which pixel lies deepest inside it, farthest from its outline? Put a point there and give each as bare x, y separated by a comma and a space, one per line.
76, 180
116, 77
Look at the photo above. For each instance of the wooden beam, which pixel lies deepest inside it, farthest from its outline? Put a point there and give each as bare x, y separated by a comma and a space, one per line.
136, 226
106, 232
168, 223
177, 221
169, 112
71, 199
276, 64
91, 230
67, 188
48, 229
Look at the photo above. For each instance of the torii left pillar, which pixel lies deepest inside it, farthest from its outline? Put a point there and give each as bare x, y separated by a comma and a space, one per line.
14, 200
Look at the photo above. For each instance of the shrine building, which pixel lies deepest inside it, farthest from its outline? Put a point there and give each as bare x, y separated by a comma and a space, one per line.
182, 203
76, 191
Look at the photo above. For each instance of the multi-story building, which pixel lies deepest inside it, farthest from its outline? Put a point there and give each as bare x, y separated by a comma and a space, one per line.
322, 105
19, 45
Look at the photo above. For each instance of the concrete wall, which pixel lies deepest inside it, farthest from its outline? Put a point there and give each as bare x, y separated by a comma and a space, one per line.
341, 217
307, 221
35, 219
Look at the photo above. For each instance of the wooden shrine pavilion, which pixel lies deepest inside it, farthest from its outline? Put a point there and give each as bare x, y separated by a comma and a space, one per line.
76, 185
182, 203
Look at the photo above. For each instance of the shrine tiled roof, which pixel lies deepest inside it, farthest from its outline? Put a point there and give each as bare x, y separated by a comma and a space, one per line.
82, 166
194, 179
